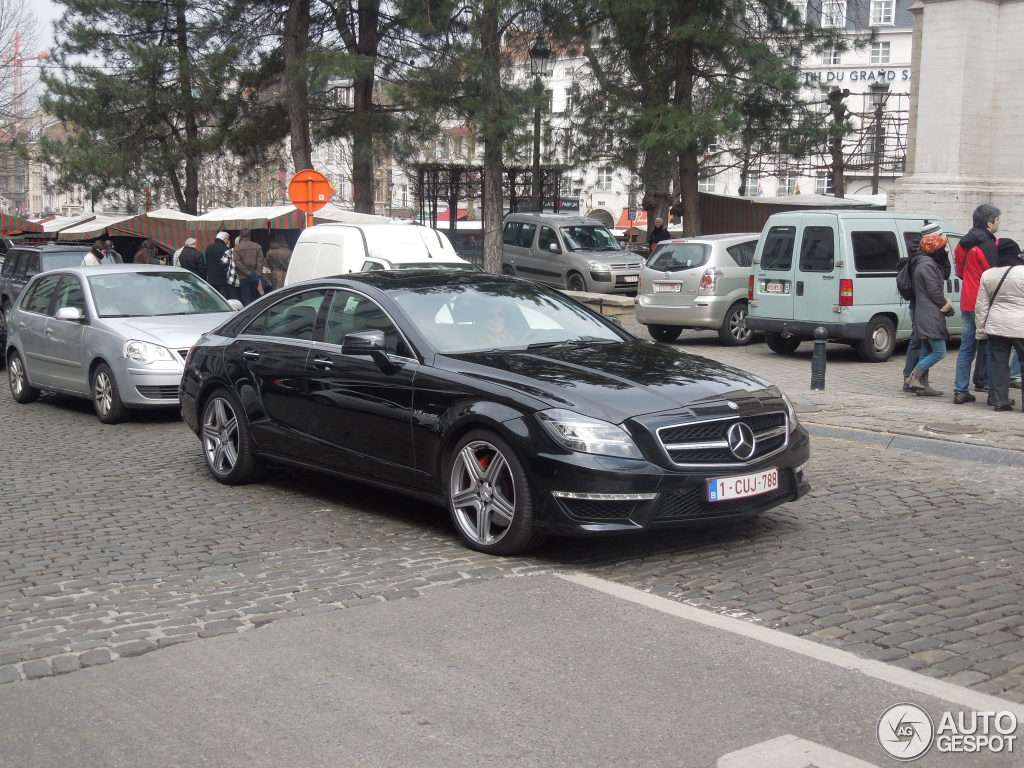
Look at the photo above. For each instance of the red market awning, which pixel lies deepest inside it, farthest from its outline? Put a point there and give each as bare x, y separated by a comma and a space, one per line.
16, 225
459, 216
639, 221
168, 228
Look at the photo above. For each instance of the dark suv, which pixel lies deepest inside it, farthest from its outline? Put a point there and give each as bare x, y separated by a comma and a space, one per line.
23, 262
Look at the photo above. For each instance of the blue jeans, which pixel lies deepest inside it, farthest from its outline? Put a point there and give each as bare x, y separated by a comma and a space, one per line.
964, 358
1014, 365
932, 350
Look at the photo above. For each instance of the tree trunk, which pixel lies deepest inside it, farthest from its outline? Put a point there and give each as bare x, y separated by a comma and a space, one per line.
690, 193
296, 41
494, 134
688, 165
188, 199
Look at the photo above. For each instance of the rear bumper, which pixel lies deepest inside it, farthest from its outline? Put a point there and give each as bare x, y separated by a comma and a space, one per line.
805, 330
703, 312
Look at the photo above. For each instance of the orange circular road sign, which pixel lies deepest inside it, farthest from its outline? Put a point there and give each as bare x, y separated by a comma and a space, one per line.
309, 190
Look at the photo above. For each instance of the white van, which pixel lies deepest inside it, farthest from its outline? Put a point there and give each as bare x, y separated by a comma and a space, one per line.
337, 249
837, 270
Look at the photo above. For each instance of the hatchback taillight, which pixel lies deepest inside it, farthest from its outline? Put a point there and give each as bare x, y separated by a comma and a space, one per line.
708, 281
750, 288
846, 293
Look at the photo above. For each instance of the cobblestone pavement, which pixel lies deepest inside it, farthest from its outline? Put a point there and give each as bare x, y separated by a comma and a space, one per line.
117, 542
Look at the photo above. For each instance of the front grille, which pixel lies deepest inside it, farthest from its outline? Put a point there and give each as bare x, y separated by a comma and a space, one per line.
705, 443
692, 503
617, 267
158, 393
594, 509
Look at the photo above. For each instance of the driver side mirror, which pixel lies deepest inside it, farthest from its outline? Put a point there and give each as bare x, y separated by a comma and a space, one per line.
235, 304
71, 314
372, 344
553, 247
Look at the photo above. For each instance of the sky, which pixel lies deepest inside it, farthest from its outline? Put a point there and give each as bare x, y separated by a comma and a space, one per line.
46, 11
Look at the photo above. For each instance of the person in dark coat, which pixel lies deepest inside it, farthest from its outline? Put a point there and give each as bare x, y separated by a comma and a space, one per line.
216, 269
930, 307
191, 259
914, 347
658, 234
148, 253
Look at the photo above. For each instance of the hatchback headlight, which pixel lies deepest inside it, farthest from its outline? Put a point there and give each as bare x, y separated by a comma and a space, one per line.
144, 353
586, 435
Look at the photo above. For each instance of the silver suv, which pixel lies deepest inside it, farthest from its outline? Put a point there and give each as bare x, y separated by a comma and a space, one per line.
697, 282
571, 252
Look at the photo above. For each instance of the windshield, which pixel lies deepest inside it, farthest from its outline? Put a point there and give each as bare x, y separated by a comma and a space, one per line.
65, 259
589, 238
150, 294
468, 318
671, 257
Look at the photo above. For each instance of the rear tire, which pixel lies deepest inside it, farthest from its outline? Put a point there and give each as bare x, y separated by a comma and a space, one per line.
21, 390
664, 333
575, 282
878, 345
783, 345
734, 331
106, 398
507, 270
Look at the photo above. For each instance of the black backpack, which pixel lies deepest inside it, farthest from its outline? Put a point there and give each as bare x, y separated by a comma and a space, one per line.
905, 280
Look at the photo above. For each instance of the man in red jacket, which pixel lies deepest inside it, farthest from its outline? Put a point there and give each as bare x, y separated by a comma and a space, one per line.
975, 253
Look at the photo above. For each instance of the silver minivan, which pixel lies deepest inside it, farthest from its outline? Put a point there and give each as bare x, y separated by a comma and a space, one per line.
697, 282
837, 270
571, 252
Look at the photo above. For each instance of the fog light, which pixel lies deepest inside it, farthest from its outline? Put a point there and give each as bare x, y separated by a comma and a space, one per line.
605, 496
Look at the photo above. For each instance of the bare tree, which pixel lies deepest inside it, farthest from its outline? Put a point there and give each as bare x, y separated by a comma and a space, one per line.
19, 63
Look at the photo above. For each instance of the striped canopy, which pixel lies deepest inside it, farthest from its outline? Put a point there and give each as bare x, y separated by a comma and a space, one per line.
16, 225
167, 227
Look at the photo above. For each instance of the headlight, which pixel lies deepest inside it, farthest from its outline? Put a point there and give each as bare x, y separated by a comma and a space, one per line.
790, 410
598, 266
144, 353
587, 435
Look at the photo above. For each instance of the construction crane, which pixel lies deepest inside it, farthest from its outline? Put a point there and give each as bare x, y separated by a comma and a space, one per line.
18, 62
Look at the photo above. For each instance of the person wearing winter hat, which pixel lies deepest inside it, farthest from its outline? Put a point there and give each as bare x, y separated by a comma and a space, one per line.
929, 266
216, 270
1000, 317
931, 241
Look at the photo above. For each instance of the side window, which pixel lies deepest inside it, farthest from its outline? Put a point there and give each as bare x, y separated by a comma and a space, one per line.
875, 251
508, 233
30, 265
9, 264
69, 294
38, 297
291, 318
742, 253
20, 258
547, 238
371, 266
352, 313
818, 249
525, 237
778, 248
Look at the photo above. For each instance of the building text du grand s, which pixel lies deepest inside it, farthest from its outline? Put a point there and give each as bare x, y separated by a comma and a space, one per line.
855, 75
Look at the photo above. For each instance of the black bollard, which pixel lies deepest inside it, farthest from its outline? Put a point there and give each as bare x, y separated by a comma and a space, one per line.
818, 359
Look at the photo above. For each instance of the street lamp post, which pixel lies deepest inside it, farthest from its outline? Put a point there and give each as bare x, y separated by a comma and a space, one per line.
879, 94
540, 62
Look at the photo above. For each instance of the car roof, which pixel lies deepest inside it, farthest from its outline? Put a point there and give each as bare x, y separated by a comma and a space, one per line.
48, 247
715, 238
399, 279
555, 219
113, 269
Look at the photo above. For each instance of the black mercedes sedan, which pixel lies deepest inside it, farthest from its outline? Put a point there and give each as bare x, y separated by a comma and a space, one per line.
520, 409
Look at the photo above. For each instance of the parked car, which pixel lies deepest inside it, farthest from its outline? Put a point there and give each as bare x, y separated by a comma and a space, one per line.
697, 282
117, 335
338, 249
523, 411
571, 252
837, 270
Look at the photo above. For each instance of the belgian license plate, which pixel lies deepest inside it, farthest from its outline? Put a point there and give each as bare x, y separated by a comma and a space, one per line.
631, 279
741, 486
776, 286
667, 287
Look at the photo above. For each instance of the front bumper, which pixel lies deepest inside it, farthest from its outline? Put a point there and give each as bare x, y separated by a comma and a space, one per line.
147, 387
616, 281
582, 495
699, 312
805, 329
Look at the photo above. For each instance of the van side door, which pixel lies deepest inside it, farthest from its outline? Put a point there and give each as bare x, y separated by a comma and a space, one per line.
773, 272
816, 281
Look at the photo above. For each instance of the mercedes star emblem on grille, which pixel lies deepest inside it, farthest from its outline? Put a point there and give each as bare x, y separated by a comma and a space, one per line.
741, 441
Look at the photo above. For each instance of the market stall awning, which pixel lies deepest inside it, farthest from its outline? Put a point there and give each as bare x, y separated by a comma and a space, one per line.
16, 225
259, 217
167, 227
335, 214
639, 221
93, 227
55, 224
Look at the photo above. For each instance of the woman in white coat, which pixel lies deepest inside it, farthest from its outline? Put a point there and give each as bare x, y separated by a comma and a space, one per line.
999, 316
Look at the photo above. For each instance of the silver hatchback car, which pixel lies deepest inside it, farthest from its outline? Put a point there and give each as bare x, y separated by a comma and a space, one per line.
117, 335
697, 282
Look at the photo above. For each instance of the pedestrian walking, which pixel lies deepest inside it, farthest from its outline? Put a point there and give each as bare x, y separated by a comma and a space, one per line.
95, 255
148, 253
250, 264
975, 253
930, 307
191, 259
1000, 317
216, 270
941, 256
658, 234
277, 259
231, 281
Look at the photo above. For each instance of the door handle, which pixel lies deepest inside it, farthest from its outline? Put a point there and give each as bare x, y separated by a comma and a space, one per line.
250, 354
322, 364
799, 287
49, 331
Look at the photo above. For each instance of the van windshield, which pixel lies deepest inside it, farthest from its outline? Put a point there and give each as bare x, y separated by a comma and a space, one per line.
589, 238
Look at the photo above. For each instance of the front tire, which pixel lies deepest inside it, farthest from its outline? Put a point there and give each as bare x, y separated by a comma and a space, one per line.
489, 495
783, 345
575, 282
21, 390
227, 440
106, 398
878, 345
664, 333
734, 331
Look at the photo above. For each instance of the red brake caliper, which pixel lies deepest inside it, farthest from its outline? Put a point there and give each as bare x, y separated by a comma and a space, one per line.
483, 461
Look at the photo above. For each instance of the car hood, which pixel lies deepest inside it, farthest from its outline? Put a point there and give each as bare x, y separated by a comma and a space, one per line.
172, 331
611, 381
611, 257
